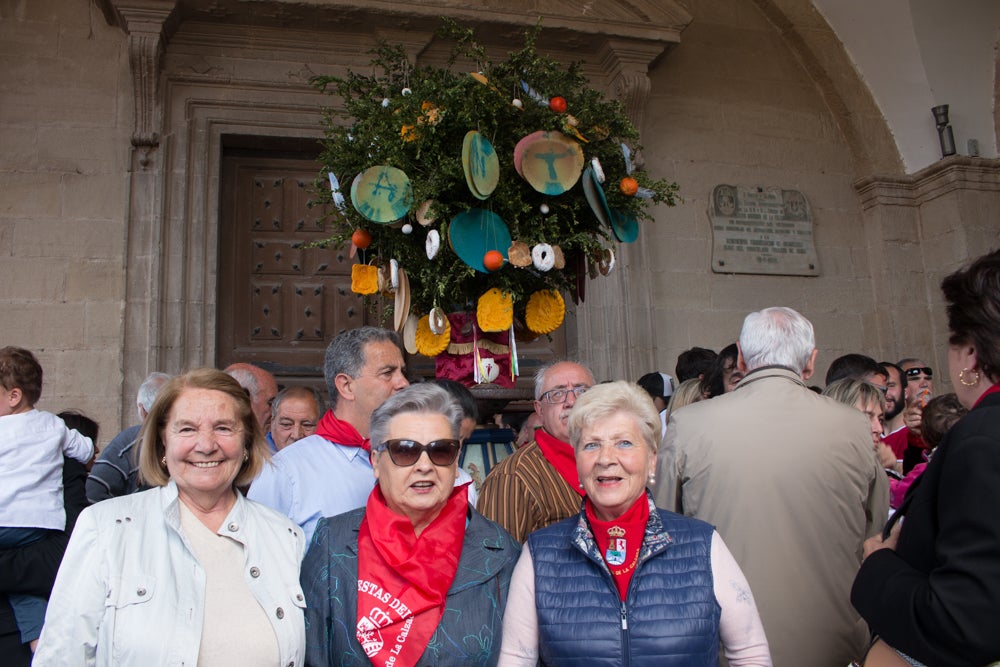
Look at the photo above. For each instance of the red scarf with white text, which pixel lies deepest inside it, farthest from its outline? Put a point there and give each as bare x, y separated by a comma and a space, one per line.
337, 430
403, 579
620, 541
562, 457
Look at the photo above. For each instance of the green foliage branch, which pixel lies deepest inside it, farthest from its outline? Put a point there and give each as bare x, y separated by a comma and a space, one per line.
421, 132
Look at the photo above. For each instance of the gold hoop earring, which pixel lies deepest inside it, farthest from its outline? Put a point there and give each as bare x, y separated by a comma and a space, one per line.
961, 377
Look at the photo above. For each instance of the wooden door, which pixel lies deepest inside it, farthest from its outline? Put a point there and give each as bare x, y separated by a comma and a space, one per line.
280, 302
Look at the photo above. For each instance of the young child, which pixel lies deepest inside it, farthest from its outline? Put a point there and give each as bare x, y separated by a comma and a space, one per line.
32, 445
939, 415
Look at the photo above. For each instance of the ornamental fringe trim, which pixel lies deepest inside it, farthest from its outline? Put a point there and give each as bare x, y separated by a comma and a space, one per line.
545, 311
429, 343
495, 310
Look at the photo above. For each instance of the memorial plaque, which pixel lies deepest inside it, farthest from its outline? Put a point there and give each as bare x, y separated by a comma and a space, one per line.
762, 230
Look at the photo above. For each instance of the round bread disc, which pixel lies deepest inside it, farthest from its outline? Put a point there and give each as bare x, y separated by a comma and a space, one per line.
552, 163
625, 226
382, 194
520, 147
481, 164
519, 254
401, 306
595, 197
424, 216
475, 232
410, 333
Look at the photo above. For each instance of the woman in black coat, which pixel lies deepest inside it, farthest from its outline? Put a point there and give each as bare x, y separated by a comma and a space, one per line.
930, 585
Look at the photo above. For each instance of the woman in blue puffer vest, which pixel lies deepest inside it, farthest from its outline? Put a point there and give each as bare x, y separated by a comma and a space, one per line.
625, 583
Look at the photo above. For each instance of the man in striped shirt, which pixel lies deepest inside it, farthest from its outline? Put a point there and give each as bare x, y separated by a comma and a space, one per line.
538, 484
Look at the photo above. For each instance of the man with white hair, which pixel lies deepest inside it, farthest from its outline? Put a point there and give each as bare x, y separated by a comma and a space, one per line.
116, 470
789, 479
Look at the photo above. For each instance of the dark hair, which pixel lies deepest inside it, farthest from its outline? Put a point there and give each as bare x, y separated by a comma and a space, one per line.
80, 423
694, 362
853, 366
20, 370
346, 354
886, 365
939, 415
973, 297
461, 393
713, 384
654, 385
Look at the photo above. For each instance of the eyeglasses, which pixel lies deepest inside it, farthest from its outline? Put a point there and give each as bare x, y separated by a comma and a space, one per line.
405, 453
560, 395
917, 370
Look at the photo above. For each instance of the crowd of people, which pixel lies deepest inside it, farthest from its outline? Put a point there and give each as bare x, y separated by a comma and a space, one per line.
734, 511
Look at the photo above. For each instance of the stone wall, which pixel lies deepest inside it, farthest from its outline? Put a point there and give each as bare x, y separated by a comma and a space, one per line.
108, 252
64, 129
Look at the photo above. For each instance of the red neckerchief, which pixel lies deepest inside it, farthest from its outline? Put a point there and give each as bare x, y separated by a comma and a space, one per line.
992, 390
403, 579
620, 541
338, 431
562, 457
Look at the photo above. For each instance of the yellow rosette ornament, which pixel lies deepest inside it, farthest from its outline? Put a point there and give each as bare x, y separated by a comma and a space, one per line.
495, 310
545, 311
429, 343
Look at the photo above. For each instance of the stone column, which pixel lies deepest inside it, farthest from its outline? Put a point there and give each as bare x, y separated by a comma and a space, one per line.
146, 24
615, 327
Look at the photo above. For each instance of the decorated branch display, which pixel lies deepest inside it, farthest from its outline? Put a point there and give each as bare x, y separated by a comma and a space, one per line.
474, 200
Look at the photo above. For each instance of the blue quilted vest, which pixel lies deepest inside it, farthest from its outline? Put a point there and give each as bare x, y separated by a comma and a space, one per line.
670, 616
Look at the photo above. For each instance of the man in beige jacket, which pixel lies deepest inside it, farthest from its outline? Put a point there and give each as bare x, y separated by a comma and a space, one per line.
790, 480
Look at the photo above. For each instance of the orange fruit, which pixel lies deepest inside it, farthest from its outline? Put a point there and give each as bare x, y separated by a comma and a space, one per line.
493, 260
558, 104
629, 186
361, 238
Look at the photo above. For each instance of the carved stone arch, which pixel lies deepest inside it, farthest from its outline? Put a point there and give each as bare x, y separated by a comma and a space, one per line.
192, 85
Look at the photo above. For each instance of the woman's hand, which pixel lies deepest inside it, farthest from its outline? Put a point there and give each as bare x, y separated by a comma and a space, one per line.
873, 544
886, 457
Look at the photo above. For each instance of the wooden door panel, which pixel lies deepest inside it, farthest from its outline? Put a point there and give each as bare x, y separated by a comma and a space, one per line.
280, 302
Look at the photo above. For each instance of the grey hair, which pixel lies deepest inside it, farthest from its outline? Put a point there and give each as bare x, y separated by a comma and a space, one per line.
147, 391
544, 370
777, 337
852, 392
297, 392
346, 354
604, 400
422, 398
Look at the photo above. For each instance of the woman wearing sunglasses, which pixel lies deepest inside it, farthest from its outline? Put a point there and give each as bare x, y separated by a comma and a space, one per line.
417, 576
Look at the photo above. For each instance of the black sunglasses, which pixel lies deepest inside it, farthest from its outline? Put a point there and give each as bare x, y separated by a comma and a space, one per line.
404, 452
917, 370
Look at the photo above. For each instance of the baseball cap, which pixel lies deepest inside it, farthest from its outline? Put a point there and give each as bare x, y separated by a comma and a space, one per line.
657, 385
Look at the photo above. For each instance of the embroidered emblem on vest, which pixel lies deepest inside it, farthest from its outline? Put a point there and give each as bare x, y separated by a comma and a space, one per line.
615, 555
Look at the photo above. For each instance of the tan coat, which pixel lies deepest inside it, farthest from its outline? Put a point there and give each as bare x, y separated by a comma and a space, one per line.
790, 480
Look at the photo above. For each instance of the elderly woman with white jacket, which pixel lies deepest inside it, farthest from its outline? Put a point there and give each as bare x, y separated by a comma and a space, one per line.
190, 572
